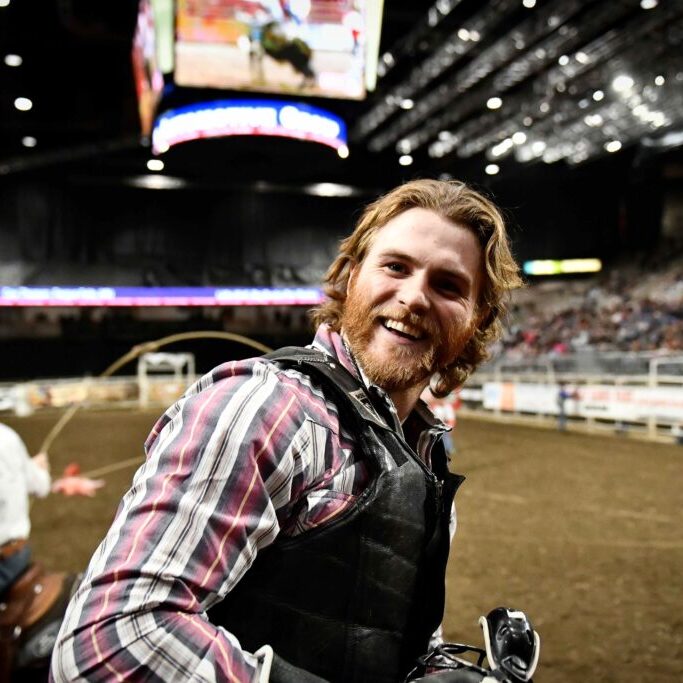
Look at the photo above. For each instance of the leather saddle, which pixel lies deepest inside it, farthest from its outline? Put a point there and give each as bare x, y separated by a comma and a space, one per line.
36, 598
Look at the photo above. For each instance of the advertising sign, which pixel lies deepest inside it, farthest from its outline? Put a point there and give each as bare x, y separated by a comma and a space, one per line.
627, 403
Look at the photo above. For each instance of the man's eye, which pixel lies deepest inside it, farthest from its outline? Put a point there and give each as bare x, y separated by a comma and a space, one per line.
449, 287
396, 267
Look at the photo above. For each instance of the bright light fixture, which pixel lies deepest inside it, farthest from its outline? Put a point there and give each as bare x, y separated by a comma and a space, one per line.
13, 60
407, 103
156, 182
329, 190
4, 3
593, 120
343, 152
23, 104
529, 4
613, 146
519, 138
659, 119
494, 103
660, 80
463, 34
436, 149
598, 95
563, 60
405, 160
648, 4
29, 141
501, 148
623, 83
538, 147
492, 169
558, 266
155, 165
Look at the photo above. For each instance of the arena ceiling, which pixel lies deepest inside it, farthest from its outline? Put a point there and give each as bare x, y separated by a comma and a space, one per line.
463, 84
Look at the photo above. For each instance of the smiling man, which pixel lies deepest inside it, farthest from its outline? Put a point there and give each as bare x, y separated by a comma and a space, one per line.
412, 302
292, 520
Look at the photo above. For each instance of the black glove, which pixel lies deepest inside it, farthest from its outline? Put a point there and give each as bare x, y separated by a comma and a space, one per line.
281, 671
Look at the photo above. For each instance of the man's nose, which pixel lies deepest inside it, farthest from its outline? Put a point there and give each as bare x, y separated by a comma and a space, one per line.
414, 295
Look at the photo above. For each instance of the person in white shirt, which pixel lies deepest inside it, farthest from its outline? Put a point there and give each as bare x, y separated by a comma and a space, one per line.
20, 475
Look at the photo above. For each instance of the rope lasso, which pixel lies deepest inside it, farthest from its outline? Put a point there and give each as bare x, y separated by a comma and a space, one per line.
132, 354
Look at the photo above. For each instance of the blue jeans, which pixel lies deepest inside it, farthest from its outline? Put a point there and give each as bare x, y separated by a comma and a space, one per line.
13, 566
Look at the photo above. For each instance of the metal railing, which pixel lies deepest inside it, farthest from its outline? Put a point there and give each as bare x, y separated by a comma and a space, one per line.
654, 381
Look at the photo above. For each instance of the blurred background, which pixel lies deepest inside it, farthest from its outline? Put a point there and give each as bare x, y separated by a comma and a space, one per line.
184, 170
224, 144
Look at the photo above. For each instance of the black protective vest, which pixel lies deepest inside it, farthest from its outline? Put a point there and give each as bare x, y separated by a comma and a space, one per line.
357, 599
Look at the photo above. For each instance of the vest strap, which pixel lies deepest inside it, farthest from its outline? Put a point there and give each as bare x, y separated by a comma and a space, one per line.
351, 391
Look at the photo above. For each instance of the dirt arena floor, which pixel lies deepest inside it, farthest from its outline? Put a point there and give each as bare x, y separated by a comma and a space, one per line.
582, 532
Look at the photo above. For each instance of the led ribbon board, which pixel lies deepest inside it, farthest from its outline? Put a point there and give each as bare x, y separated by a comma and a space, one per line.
160, 296
248, 117
562, 266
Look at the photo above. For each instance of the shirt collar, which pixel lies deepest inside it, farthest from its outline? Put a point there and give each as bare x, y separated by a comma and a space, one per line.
331, 343
423, 411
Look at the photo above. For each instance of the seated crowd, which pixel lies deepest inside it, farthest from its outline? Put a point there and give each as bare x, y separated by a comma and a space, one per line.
626, 310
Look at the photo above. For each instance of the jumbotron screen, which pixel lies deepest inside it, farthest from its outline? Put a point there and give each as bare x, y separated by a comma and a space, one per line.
149, 81
317, 48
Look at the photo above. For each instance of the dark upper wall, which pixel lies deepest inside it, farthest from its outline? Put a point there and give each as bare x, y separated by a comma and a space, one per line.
604, 209
233, 236
198, 236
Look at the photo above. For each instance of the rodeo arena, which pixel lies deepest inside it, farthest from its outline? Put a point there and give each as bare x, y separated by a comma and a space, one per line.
278, 278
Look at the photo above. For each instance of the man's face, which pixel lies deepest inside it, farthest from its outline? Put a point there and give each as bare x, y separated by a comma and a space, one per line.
411, 303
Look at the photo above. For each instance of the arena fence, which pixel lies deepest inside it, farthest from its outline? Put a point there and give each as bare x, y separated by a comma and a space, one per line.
647, 404
160, 379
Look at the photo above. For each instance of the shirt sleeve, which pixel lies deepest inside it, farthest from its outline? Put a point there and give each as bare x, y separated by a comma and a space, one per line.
218, 480
38, 479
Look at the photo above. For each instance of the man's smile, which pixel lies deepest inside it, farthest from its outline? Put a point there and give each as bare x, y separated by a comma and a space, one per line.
403, 329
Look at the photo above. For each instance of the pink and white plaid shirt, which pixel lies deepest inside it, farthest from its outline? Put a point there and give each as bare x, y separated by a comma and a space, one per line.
249, 452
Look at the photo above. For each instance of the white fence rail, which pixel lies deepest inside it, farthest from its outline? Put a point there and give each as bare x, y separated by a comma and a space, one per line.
648, 404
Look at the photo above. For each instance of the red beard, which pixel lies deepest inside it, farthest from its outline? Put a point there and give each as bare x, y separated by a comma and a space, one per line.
407, 367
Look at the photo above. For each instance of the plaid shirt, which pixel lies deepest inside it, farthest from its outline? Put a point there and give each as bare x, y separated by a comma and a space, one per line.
249, 452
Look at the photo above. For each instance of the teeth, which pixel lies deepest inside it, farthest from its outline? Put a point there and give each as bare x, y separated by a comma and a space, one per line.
403, 328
